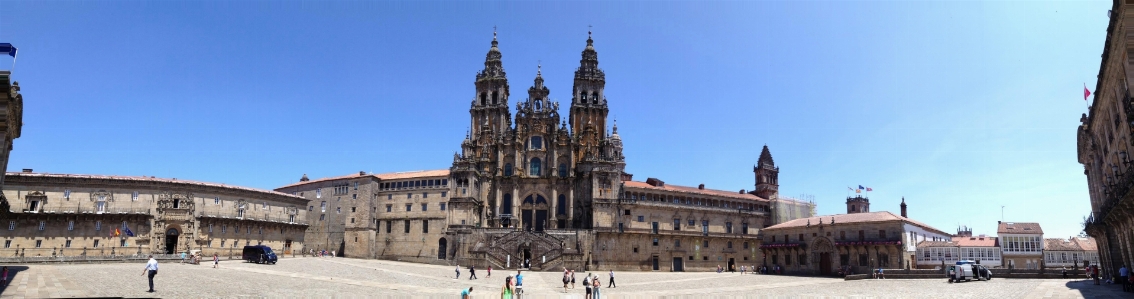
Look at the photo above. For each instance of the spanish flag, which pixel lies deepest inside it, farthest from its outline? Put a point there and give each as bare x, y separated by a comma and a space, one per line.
117, 232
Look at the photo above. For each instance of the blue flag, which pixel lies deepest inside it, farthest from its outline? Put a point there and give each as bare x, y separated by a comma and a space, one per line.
8, 48
128, 232
860, 187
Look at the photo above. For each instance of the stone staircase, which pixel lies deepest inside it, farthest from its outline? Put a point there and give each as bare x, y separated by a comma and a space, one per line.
540, 245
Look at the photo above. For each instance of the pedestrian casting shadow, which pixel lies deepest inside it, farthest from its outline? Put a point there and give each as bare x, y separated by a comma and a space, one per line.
12, 271
1088, 289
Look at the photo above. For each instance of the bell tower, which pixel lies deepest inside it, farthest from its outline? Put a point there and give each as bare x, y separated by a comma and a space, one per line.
490, 104
767, 175
588, 103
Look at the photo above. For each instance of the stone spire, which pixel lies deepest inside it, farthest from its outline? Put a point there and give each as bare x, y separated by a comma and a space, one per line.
904, 207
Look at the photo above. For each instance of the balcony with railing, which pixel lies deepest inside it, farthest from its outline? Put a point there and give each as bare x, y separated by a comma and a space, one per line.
92, 210
253, 216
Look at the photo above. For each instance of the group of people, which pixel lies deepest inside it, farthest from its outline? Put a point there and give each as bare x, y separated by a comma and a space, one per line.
753, 269
591, 282
321, 253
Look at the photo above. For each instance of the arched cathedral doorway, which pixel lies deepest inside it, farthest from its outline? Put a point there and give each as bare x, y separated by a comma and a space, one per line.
821, 252
171, 236
534, 212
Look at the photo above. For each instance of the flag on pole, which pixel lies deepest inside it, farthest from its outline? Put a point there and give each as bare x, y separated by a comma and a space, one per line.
128, 232
868, 189
1086, 92
860, 187
117, 232
849, 188
858, 191
8, 48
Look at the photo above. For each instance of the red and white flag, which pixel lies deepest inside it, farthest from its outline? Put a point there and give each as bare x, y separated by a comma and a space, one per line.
1086, 92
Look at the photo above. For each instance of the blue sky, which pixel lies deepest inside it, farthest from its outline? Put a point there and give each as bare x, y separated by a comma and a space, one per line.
959, 106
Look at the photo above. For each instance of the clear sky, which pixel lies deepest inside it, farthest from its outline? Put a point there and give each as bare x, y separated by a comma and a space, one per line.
959, 106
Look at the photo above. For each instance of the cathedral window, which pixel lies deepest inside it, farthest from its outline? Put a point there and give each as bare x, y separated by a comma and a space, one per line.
537, 142
561, 205
495, 98
535, 170
508, 169
483, 99
594, 97
537, 105
506, 205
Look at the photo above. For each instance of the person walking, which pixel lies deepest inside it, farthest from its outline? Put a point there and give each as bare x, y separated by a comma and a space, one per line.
472, 272
1095, 273
4, 276
458, 272
465, 293
572, 279
611, 283
216, 260
566, 280
519, 284
489, 272
1122, 275
151, 269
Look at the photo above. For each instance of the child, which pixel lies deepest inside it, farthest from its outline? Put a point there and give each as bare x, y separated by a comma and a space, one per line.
4, 276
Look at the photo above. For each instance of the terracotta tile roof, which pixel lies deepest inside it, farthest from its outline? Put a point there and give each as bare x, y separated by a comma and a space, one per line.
381, 176
693, 190
143, 179
1060, 244
924, 244
1019, 228
975, 241
1088, 243
854, 218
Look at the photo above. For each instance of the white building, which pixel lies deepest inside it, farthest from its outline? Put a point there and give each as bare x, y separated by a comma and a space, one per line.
1021, 244
982, 249
1070, 253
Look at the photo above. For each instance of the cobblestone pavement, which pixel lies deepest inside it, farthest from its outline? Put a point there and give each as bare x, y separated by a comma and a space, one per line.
352, 278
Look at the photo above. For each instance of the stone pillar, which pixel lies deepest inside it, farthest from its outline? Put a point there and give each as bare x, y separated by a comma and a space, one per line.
554, 206
570, 206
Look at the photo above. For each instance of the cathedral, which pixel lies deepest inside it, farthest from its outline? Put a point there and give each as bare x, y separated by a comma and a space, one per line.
541, 192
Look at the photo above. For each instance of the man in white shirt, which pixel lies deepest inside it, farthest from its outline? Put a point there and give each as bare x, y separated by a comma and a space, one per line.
151, 268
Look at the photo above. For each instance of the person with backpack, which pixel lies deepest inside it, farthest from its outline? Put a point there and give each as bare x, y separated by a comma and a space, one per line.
597, 285
587, 285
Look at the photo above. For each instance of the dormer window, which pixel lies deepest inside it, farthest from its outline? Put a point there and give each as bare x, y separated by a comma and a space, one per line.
537, 142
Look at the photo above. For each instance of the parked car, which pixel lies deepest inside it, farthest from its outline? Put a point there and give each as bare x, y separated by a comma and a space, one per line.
259, 254
967, 271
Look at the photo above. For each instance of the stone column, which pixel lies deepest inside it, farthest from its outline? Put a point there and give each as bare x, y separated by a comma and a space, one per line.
554, 206
570, 206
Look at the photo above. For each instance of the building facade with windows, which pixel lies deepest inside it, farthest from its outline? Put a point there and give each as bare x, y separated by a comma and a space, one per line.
1071, 253
860, 240
1021, 244
982, 249
11, 125
1104, 139
96, 215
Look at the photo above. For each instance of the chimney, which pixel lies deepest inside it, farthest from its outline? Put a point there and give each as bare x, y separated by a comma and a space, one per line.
27, 170
701, 186
904, 207
361, 173
742, 191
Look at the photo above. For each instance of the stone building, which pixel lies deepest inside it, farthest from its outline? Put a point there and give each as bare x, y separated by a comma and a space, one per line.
394, 216
540, 190
1074, 252
860, 240
69, 215
1021, 244
1104, 146
11, 124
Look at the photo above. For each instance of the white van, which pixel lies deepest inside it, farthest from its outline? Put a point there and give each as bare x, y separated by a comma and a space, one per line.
967, 271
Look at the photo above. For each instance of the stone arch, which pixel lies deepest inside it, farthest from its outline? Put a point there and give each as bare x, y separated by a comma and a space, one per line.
822, 253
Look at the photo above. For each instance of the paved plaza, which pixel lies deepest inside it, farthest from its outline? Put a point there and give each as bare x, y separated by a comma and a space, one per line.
352, 278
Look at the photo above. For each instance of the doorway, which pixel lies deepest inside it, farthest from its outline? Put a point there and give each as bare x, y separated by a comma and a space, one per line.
677, 265
540, 219
825, 263
527, 262
171, 240
526, 218
655, 260
731, 264
442, 248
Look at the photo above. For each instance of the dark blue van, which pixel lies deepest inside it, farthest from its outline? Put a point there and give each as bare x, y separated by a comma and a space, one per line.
259, 254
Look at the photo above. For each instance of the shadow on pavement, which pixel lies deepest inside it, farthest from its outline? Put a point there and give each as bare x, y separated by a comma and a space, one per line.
1088, 289
12, 271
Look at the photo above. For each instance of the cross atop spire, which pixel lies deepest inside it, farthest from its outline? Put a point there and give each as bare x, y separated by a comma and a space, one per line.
493, 32
539, 68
